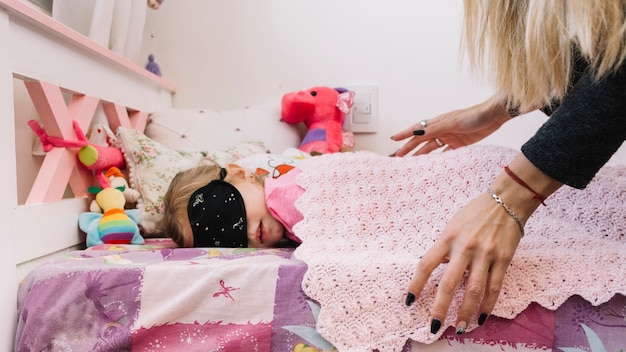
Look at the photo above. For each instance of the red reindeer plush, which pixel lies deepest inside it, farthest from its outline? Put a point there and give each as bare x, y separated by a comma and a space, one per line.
322, 110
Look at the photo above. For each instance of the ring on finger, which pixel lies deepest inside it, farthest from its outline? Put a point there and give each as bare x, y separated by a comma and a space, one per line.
439, 142
423, 123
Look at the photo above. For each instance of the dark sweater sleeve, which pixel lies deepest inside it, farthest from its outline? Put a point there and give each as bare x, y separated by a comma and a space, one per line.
583, 132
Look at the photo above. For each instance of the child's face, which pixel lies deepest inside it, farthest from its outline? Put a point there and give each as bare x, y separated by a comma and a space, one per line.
263, 229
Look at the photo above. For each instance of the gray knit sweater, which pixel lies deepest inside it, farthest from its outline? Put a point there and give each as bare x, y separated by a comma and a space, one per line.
584, 130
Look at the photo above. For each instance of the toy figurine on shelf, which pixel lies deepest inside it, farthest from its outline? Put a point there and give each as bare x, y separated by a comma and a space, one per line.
153, 66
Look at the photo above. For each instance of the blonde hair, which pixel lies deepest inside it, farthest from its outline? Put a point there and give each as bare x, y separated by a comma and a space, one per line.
177, 196
529, 45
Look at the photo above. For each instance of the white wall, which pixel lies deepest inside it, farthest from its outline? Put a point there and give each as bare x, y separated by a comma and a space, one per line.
227, 54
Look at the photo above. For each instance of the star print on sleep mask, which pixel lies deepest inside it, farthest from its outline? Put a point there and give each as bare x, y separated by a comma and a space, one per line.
217, 215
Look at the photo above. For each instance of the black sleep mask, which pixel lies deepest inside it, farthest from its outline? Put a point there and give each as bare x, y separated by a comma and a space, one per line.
217, 215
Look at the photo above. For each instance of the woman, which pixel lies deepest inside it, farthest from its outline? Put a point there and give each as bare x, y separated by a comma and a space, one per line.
563, 57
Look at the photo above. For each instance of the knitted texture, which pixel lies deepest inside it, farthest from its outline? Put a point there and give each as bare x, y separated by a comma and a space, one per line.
369, 218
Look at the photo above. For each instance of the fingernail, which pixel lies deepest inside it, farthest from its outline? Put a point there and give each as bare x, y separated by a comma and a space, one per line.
419, 132
410, 298
482, 318
435, 325
460, 327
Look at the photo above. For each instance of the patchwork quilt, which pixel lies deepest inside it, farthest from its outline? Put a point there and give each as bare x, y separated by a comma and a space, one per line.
156, 298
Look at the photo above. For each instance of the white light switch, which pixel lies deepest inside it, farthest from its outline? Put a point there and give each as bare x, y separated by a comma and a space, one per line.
363, 117
363, 108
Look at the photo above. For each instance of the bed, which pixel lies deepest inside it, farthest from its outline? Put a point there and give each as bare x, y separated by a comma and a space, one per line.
342, 289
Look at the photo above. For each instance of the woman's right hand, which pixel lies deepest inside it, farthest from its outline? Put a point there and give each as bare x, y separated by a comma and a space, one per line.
454, 129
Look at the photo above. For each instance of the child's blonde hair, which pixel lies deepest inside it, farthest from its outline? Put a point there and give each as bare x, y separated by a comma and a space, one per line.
177, 196
529, 44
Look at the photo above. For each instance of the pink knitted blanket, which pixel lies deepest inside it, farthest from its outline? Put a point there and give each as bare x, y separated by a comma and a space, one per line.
369, 218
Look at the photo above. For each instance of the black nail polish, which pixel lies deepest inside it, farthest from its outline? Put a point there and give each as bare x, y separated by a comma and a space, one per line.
482, 318
410, 298
419, 132
435, 325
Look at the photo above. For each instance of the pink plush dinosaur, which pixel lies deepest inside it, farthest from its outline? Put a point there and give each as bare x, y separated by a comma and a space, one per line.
322, 110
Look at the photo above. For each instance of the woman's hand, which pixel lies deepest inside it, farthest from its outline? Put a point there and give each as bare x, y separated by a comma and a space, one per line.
481, 238
455, 129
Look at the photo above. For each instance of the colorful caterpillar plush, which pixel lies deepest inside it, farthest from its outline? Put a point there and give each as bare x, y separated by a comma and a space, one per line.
115, 225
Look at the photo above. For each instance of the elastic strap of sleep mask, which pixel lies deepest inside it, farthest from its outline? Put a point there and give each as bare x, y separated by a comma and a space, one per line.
217, 215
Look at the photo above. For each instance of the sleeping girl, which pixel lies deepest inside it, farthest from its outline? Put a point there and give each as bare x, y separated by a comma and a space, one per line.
211, 206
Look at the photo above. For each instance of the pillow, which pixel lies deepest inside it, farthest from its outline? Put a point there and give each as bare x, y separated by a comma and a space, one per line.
152, 166
206, 129
273, 165
224, 156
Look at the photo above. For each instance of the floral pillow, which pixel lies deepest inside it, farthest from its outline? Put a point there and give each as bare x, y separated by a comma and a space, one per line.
152, 166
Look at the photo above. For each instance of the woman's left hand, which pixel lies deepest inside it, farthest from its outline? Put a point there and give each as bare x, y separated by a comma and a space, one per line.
454, 129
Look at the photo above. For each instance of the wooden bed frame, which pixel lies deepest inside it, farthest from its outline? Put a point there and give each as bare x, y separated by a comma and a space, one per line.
53, 62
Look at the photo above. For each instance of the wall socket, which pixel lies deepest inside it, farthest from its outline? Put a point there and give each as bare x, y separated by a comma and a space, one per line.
363, 117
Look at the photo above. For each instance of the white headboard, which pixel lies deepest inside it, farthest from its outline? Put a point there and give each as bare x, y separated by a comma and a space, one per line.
66, 77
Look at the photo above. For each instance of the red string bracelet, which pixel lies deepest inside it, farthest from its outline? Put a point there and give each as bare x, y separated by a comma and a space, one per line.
521, 182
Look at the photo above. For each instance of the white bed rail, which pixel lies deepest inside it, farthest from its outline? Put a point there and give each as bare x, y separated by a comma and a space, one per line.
54, 61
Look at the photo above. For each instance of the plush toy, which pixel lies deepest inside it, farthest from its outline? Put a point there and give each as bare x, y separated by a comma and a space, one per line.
117, 179
100, 134
322, 110
94, 157
115, 225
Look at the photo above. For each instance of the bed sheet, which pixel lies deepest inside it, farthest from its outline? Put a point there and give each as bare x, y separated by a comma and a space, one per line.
154, 297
